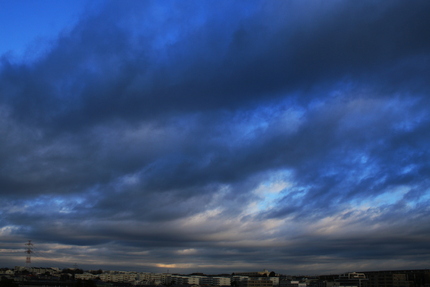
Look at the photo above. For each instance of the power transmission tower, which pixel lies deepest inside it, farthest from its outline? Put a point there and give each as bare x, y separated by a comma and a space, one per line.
29, 250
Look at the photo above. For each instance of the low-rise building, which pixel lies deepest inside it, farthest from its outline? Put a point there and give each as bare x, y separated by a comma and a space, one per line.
86, 276
256, 283
238, 278
221, 281
352, 279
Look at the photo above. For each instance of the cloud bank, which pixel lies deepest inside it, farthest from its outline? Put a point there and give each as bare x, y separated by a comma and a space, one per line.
222, 137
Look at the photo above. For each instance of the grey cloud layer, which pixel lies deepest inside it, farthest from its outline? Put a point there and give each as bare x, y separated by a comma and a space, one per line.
158, 130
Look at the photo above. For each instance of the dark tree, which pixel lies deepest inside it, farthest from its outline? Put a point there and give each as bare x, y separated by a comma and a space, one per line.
8, 283
85, 283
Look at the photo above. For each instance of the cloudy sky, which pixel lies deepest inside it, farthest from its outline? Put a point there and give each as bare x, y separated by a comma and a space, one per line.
215, 136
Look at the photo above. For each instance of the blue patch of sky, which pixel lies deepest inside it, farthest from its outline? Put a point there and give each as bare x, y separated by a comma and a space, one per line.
174, 29
29, 27
425, 197
272, 190
391, 197
51, 205
411, 113
282, 116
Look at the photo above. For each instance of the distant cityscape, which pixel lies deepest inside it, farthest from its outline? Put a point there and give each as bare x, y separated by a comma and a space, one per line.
24, 276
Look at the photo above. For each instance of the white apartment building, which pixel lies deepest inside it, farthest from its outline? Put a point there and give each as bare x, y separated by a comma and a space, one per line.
9, 272
193, 281
154, 278
180, 279
86, 276
221, 281
119, 277
275, 280
238, 278
201, 280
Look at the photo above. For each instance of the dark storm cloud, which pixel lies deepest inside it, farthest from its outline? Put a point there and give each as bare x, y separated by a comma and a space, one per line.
177, 131
99, 71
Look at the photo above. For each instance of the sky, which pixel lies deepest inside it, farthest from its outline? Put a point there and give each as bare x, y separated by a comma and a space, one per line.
215, 136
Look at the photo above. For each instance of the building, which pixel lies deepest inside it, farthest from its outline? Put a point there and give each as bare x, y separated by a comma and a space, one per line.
86, 276
383, 279
398, 278
256, 283
238, 278
352, 279
221, 281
